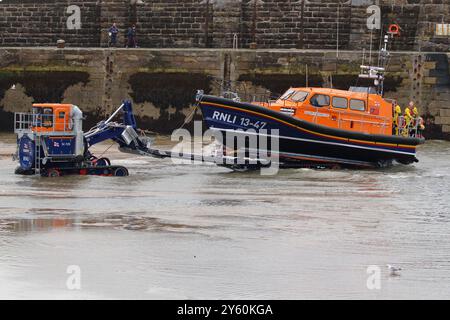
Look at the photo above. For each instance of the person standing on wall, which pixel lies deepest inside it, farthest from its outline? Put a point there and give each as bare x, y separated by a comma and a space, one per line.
131, 37
113, 31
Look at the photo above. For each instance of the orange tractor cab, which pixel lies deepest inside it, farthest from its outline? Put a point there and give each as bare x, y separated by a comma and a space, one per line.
53, 117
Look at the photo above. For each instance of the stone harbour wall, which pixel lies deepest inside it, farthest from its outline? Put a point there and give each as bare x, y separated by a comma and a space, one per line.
162, 82
288, 24
42, 23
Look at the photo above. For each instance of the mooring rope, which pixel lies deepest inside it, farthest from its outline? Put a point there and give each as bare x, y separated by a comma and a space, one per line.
190, 117
106, 150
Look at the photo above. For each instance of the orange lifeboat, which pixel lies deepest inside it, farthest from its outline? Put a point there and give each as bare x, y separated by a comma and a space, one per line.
317, 126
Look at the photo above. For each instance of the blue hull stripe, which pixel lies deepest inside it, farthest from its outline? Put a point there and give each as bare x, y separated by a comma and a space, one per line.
315, 141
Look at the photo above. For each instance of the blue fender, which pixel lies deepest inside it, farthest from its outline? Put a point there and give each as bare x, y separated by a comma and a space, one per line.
26, 153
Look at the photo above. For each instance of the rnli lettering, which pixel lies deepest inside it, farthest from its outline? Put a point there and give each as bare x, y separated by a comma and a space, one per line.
228, 118
242, 121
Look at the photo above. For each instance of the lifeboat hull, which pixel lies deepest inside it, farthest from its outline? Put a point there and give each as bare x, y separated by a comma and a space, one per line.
302, 143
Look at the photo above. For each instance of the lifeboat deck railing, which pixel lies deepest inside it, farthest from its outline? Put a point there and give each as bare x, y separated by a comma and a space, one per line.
411, 130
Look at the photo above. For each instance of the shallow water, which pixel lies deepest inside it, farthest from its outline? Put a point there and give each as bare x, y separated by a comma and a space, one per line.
197, 231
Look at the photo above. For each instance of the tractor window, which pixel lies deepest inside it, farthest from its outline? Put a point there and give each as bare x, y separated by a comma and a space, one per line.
340, 103
37, 110
320, 100
37, 117
358, 105
299, 96
47, 117
61, 115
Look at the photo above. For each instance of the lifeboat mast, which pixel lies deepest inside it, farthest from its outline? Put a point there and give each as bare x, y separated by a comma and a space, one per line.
377, 73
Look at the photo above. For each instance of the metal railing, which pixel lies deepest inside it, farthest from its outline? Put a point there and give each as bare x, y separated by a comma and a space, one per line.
32, 122
408, 130
38, 153
23, 121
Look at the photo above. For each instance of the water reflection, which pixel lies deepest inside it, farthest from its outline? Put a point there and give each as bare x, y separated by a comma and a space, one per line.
33, 225
118, 222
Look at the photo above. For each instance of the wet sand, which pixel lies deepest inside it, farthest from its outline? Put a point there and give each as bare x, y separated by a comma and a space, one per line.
203, 232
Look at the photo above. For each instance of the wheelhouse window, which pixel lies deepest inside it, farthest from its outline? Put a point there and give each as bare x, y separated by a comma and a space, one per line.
340, 103
287, 94
358, 105
320, 100
299, 96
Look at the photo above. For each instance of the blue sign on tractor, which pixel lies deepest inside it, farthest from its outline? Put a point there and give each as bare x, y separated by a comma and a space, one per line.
26, 152
60, 145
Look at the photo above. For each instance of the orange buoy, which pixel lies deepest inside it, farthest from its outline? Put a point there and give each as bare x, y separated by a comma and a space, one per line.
394, 29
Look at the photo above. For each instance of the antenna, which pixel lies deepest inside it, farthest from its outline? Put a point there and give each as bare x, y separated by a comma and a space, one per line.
370, 47
337, 28
307, 76
363, 56
377, 73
